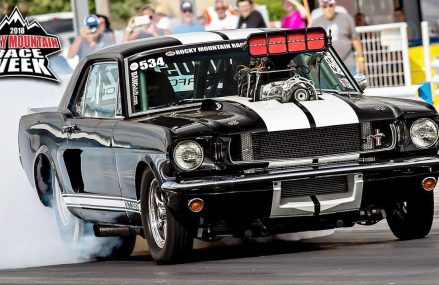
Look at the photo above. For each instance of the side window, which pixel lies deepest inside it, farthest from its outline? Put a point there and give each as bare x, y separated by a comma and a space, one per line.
100, 97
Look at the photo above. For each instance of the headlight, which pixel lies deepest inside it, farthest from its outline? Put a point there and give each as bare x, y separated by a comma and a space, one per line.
424, 133
188, 155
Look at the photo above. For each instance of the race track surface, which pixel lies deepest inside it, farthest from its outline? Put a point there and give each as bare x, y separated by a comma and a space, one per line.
365, 255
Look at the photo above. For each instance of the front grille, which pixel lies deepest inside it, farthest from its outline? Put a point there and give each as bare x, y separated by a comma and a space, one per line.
305, 143
314, 186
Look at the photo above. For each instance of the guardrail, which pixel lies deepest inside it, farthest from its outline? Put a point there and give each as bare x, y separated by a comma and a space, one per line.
385, 49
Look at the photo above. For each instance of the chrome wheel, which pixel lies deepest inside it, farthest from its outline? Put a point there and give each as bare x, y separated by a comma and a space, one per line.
70, 227
157, 214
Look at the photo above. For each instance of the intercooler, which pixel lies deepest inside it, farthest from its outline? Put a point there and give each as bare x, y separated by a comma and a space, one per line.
315, 142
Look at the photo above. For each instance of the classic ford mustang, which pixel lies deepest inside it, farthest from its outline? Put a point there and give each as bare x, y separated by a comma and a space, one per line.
242, 132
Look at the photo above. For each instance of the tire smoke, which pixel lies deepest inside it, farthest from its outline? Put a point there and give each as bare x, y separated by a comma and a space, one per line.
29, 232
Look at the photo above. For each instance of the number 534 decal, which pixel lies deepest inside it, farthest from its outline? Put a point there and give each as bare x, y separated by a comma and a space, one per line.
151, 63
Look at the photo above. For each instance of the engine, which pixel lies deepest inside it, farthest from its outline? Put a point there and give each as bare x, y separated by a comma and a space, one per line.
293, 89
262, 83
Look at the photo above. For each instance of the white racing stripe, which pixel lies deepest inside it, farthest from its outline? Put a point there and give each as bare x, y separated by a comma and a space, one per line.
197, 37
331, 111
276, 116
98, 202
240, 34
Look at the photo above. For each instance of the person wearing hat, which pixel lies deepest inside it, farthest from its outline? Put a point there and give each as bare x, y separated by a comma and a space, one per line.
344, 36
187, 24
92, 36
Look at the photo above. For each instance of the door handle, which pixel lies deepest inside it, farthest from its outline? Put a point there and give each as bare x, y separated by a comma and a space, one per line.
69, 129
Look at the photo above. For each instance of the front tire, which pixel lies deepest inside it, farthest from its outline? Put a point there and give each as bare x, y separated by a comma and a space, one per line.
412, 218
168, 240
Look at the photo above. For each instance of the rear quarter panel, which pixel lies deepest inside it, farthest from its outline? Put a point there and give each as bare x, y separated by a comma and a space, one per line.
35, 131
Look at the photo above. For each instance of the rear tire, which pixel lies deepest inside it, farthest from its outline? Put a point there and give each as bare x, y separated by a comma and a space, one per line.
412, 218
70, 227
168, 240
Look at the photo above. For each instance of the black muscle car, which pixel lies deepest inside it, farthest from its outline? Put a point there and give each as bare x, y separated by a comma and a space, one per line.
243, 132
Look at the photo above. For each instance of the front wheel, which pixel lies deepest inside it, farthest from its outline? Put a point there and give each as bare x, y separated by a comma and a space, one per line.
168, 241
412, 218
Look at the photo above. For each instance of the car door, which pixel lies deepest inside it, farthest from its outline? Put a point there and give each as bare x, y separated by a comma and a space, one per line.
89, 157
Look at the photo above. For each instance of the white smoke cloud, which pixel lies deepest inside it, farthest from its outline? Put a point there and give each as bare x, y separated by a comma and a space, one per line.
29, 235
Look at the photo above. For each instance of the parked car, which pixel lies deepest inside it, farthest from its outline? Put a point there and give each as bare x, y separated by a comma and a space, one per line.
244, 132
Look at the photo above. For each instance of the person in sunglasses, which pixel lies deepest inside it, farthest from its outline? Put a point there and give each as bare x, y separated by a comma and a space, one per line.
223, 20
344, 36
187, 24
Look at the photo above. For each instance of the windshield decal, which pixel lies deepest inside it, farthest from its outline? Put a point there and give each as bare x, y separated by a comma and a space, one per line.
200, 49
345, 82
333, 65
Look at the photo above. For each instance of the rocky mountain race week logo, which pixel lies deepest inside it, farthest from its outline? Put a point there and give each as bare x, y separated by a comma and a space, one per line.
24, 48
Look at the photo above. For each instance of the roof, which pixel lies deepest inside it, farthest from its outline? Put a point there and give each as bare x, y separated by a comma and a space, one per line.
133, 47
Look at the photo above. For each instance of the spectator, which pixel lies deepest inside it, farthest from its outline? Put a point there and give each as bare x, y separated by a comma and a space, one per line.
223, 20
412, 31
317, 12
92, 36
360, 19
146, 24
211, 15
296, 15
144, 21
187, 20
249, 17
105, 24
344, 36
162, 21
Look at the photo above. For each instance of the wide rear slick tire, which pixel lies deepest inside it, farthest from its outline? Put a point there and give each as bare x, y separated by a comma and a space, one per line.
168, 240
70, 228
412, 218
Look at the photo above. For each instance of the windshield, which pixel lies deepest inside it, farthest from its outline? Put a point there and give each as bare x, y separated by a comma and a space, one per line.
179, 75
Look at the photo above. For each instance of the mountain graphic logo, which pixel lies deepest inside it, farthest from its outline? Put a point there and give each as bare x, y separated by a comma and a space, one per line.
25, 47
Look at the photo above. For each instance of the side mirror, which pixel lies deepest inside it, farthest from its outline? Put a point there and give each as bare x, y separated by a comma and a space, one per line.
361, 80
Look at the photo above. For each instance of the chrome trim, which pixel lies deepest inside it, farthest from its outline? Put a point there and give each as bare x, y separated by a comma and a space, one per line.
329, 203
339, 158
392, 146
218, 181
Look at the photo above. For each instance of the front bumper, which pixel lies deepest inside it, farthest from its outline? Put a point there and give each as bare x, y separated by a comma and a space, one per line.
213, 182
259, 195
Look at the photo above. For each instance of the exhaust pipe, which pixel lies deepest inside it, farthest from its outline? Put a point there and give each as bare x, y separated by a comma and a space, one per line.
111, 231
